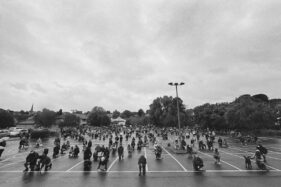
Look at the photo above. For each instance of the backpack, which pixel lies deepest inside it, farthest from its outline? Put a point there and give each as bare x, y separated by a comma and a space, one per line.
263, 150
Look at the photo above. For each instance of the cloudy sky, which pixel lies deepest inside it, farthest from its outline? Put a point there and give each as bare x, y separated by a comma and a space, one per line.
121, 54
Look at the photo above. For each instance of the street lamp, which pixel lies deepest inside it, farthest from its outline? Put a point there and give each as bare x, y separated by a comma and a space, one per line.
176, 85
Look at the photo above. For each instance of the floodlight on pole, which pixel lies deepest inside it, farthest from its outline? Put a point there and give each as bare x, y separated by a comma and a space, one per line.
178, 110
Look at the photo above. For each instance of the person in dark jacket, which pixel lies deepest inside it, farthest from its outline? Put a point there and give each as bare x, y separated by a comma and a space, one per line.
120, 152
76, 151
2, 146
31, 160
142, 164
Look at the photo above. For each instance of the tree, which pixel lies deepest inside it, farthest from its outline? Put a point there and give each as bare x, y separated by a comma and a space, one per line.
59, 113
46, 118
211, 115
21, 116
141, 113
115, 114
250, 114
163, 111
98, 117
70, 120
126, 114
137, 120
261, 97
6, 119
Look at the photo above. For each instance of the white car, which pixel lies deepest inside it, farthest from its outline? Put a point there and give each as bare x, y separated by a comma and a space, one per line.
15, 131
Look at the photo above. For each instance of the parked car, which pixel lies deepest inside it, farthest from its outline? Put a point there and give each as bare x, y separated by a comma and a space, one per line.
15, 131
4, 133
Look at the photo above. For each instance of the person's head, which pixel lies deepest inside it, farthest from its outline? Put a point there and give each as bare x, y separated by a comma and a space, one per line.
216, 150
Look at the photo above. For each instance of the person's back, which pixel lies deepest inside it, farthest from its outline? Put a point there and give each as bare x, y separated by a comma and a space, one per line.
87, 154
142, 160
142, 164
76, 150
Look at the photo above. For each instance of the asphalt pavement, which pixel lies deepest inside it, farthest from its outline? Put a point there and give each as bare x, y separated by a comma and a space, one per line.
172, 170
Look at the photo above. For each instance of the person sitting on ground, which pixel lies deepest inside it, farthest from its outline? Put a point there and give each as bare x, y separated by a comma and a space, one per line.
31, 160
76, 151
263, 151
103, 162
71, 151
142, 164
2, 146
197, 163
63, 148
56, 151
202, 146
44, 161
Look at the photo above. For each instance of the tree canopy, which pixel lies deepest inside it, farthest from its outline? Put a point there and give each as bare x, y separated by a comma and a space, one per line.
70, 120
46, 118
115, 114
6, 119
163, 111
98, 117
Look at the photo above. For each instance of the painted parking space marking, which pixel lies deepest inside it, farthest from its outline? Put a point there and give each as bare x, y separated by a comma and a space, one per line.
134, 171
221, 160
112, 164
75, 166
175, 159
253, 153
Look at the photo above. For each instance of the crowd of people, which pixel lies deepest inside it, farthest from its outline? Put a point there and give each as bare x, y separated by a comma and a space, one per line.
113, 139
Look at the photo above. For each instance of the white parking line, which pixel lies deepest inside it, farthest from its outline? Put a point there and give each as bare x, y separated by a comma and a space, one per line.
253, 153
176, 171
275, 148
11, 164
75, 166
221, 161
175, 159
274, 152
112, 164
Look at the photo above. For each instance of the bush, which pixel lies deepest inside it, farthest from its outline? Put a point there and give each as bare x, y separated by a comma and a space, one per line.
44, 133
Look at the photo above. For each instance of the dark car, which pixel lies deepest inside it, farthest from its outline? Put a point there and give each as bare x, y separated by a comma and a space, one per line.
4, 133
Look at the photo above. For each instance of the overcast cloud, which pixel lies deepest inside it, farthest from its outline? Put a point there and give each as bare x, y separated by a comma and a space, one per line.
120, 54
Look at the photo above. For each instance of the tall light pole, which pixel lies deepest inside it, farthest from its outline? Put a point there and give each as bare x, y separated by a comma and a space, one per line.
176, 85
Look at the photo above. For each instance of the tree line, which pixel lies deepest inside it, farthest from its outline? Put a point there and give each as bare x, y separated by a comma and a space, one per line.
245, 112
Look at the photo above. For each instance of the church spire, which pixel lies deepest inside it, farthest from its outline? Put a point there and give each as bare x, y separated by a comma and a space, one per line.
31, 110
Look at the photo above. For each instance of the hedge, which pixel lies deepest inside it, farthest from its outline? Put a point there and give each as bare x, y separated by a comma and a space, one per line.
45, 133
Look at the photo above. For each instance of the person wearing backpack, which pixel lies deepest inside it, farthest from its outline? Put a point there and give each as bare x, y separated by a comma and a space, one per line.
263, 151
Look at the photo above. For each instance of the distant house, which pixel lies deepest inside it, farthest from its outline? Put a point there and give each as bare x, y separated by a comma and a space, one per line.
82, 117
119, 121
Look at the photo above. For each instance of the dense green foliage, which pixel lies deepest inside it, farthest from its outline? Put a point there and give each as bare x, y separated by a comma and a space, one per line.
46, 118
115, 114
126, 114
246, 112
70, 120
6, 119
43, 133
163, 112
98, 117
